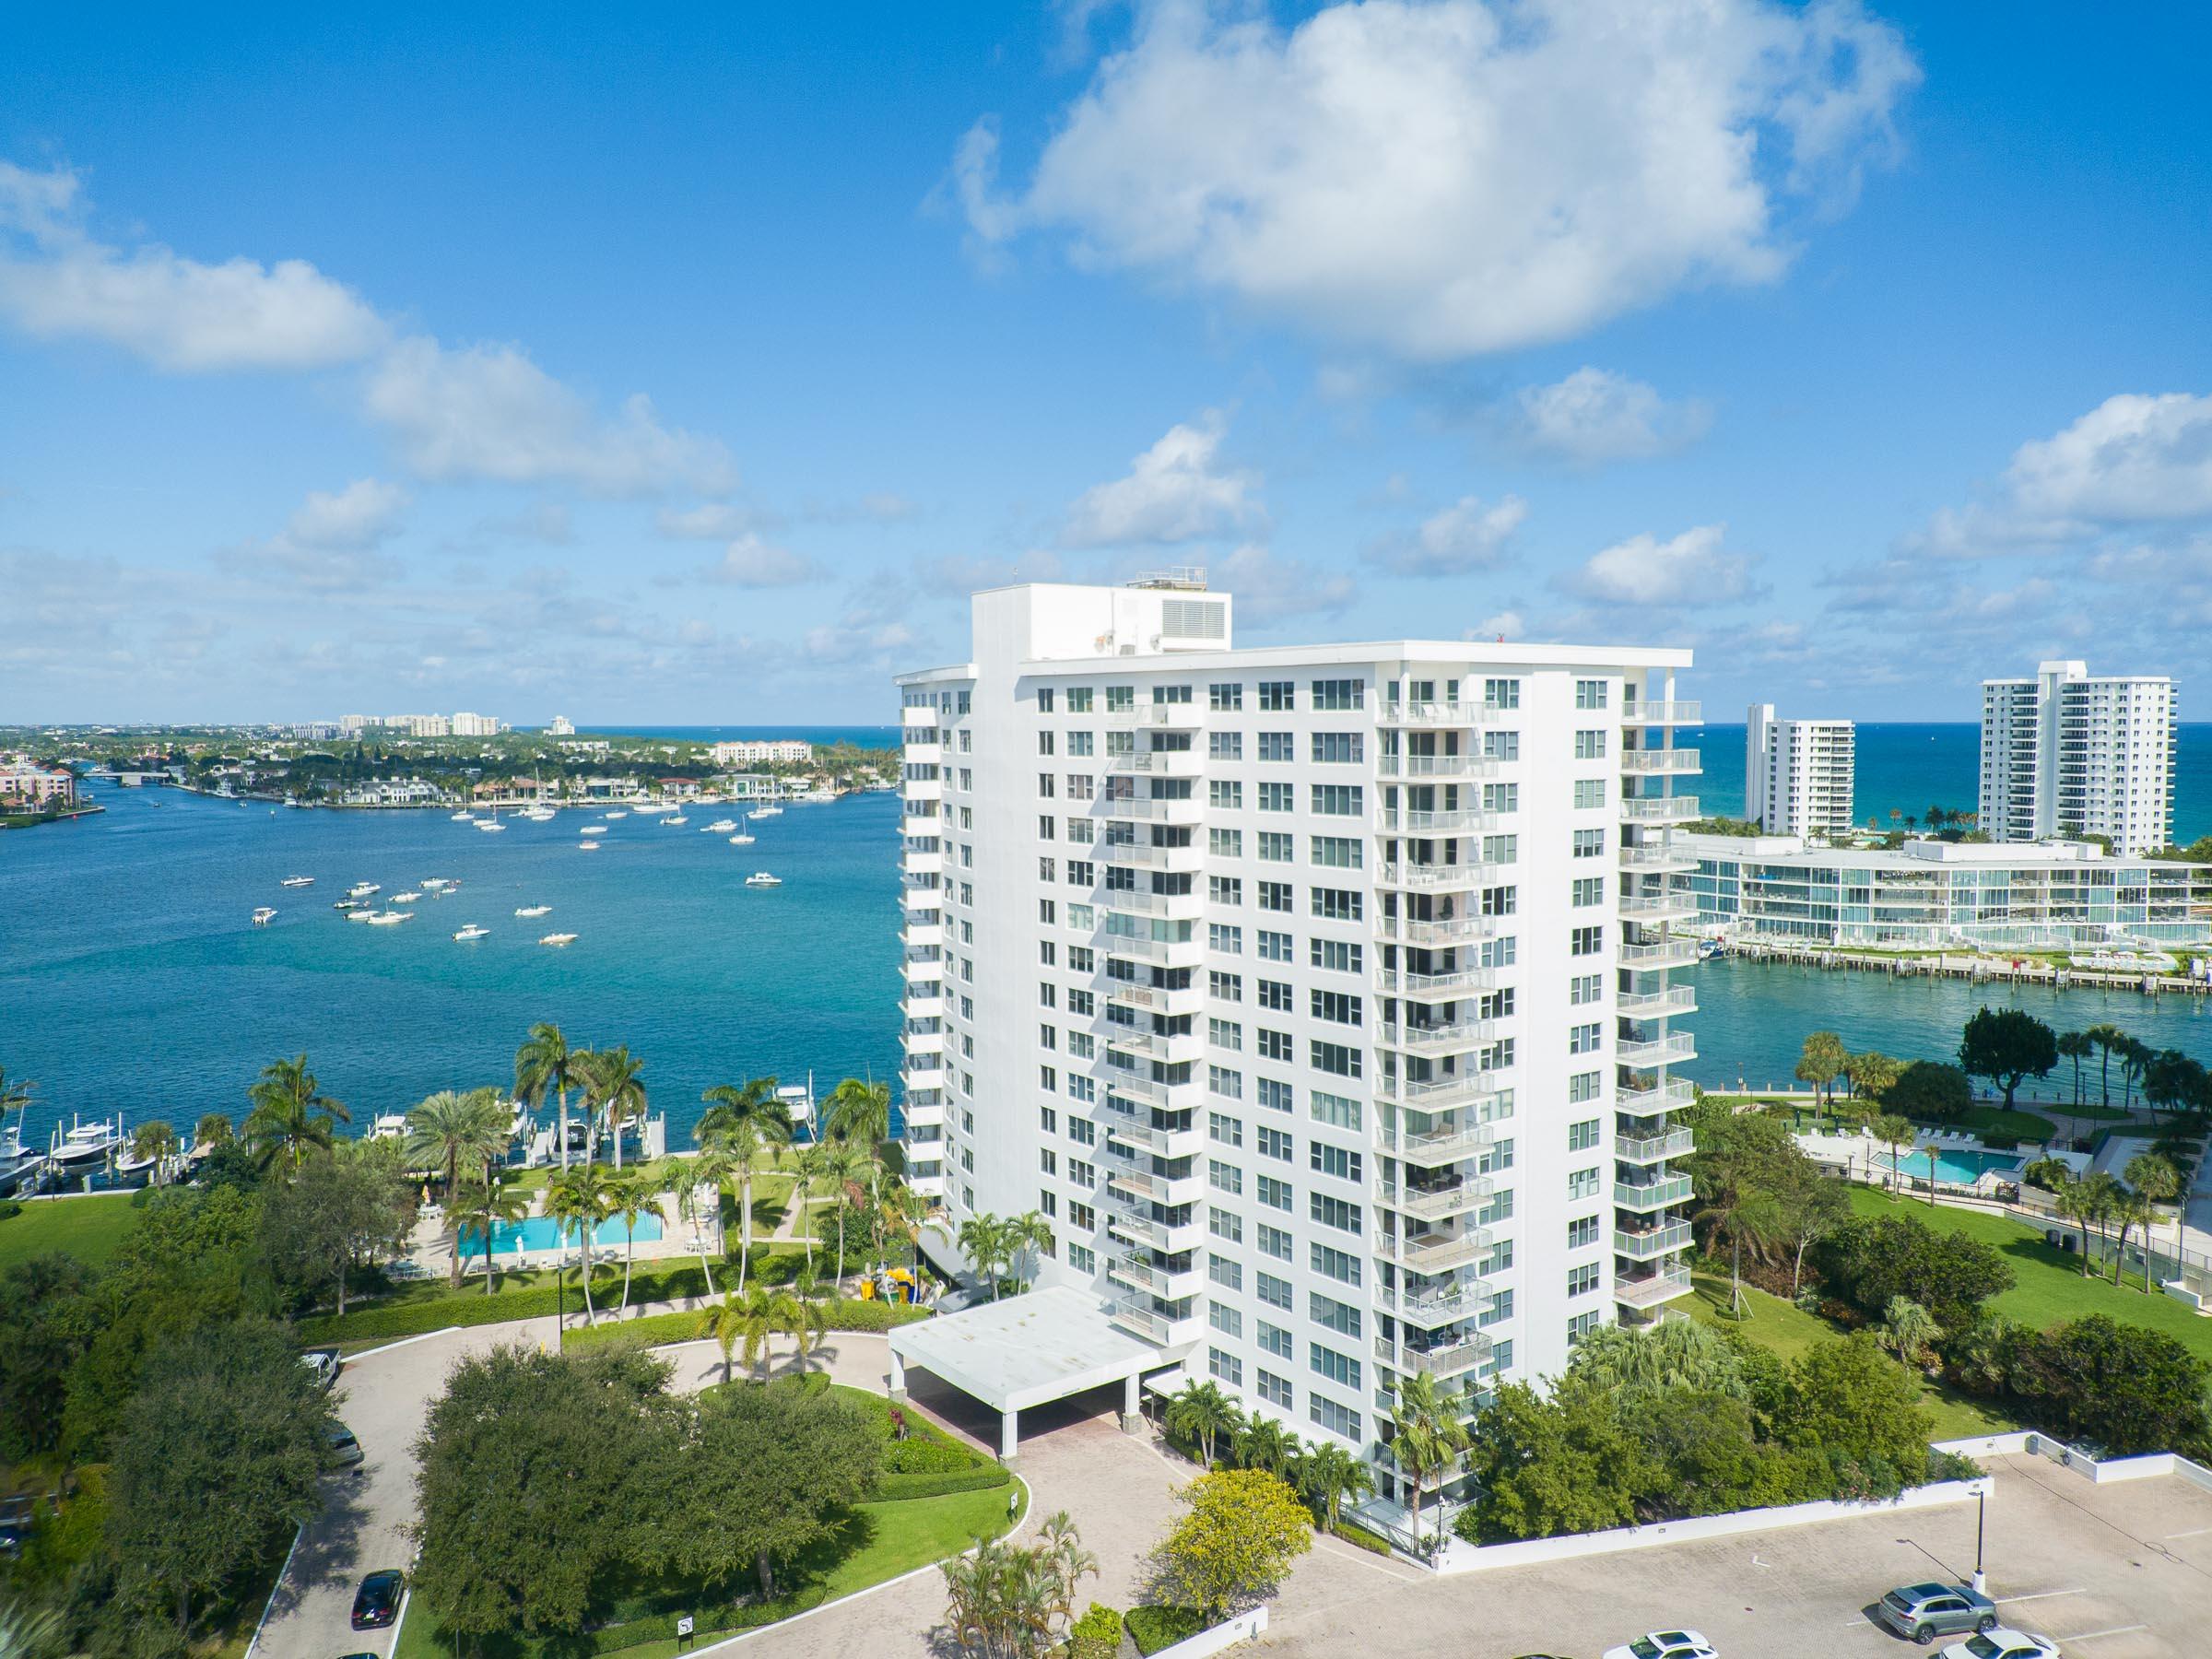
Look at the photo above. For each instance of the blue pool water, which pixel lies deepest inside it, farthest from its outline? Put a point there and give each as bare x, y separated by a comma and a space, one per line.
542, 1232
1960, 1168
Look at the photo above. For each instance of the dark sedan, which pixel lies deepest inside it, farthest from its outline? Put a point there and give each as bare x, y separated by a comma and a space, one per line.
376, 1603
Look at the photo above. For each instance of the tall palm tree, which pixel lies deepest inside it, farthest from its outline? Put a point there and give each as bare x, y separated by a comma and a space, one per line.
449, 1131
1895, 1131
157, 1140
478, 1207
213, 1129
617, 1089
811, 1162
2106, 1039
291, 1113
849, 1169
545, 1064
860, 1116
2076, 1046
2135, 1067
984, 1239
2153, 1176
1426, 1434
704, 1178
744, 1147
629, 1198
1327, 1474
2131, 1210
1063, 1551
752, 1102
577, 1198
1200, 1411
902, 1213
1031, 1232
1263, 1443
751, 1321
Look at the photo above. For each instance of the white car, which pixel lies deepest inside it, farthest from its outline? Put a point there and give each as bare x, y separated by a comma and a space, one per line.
2001, 1643
1665, 1645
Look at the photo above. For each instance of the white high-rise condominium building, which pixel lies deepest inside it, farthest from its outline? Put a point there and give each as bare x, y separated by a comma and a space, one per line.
1798, 775
1322, 997
2066, 754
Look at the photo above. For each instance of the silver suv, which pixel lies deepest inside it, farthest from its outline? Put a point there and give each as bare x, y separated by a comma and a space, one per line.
1926, 1611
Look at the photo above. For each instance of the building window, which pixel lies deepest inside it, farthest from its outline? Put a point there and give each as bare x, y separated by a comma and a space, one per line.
1227, 1130
1339, 800
1275, 894
1225, 939
1227, 987
1275, 1045
1585, 1039
1227, 1084
1340, 1369
1225, 1177
1278, 797
1589, 693
1273, 1094
1225, 794
1586, 988
1338, 904
1225, 699
1584, 1086
1227, 1367
1581, 1324
1276, 1143
1339, 1060
1339, 1163
1590, 744
1277, 747
1278, 696
1589, 890
1335, 1212
1225, 843
1337, 1419
1277, 846
1583, 1232
1275, 1340
1589, 843
1583, 1184
1227, 1272
1275, 996
1338, 748
1274, 1389
1227, 889
1225, 1224
1225, 745
1337, 852
1338, 1111
1338, 955
1586, 941
1582, 1136
1338, 1264
1335, 696
1271, 1291
1273, 1241
1274, 1194
1276, 947
1589, 793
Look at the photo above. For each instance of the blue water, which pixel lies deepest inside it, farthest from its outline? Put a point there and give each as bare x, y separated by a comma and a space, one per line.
1959, 1169
1907, 769
133, 979
860, 736
542, 1232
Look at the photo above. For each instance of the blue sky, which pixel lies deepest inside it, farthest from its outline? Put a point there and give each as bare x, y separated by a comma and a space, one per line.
694, 369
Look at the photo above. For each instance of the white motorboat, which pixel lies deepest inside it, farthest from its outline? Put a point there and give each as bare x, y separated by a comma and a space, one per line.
362, 890
651, 808
539, 815
390, 918
389, 1125
407, 898
761, 878
17, 1160
587, 846
365, 912
670, 823
263, 915
532, 909
296, 881
741, 840
720, 827
82, 1146
464, 816
558, 939
471, 932
432, 883
769, 810
611, 817
491, 826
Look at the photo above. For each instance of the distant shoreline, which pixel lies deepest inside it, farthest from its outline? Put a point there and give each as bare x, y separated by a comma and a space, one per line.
31, 821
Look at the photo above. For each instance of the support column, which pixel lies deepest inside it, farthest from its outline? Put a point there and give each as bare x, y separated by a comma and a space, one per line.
1133, 1416
1009, 1436
898, 1379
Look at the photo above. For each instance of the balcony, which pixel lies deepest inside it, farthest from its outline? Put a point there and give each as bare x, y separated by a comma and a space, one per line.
1143, 856
927, 898
1435, 766
1437, 1204
1437, 1094
1423, 716
1644, 1196
1146, 810
922, 935
912, 716
1649, 1244
1172, 1048
1653, 1148
1149, 1188
1673, 1049
924, 752
1437, 934
1660, 954
1661, 763
1675, 1094
1163, 717
1445, 1359
922, 789
1652, 1290
918, 861
1138, 1317
922, 1115
1167, 1096
1662, 713
1661, 859
1166, 953
1141, 1274
919, 1043
925, 1071
1160, 1142
1658, 809
1447, 987
1436, 878
1656, 910
922, 825
1432, 1148
1457, 1034
1409, 820
1156, 999
1159, 763
931, 1185
1184, 907
1657, 1005
1429, 1309
1133, 1223
1437, 1251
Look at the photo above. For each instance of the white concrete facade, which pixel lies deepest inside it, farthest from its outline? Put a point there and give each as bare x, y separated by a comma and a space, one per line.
2067, 753
1798, 775
1323, 997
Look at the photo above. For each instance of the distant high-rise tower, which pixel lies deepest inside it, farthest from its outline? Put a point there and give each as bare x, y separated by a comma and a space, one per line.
2066, 754
1798, 775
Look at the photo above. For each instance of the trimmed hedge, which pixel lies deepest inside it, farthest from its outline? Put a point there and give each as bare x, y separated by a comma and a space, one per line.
655, 1329
921, 1455
1351, 1532
1154, 1628
898, 1489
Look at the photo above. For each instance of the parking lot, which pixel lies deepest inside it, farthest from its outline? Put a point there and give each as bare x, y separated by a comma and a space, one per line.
2117, 1571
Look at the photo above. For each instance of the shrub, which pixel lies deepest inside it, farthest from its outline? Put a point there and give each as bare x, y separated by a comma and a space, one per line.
1352, 1533
1948, 1273
897, 1488
657, 1328
1154, 1628
1096, 1635
921, 1455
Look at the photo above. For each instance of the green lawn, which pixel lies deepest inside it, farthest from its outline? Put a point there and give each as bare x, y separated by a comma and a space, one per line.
2050, 1287
90, 1229
1787, 1330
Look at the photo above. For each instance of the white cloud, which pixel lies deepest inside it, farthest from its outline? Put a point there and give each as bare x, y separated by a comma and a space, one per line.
1173, 493
1595, 415
709, 521
2131, 459
1470, 534
848, 643
360, 515
751, 562
1505, 625
179, 315
1271, 589
1461, 177
488, 412
1689, 568
552, 522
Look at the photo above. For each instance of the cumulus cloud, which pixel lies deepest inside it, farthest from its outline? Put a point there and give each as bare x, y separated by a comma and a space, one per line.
750, 562
2130, 460
1595, 415
1174, 492
848, 641
360, 515
1690, 569
1449, 179
1505, 625
1470, 534
711, 520
488, 412
182, 315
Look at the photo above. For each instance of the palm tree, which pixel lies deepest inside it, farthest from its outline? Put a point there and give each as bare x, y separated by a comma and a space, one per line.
617, 1089
1069, 1562
1263, 1443
213, 1130
902, 1213
2135, 1067
478, 1207
1426, 1434
545, 1064
1031, 1232
849, 1167
750, 1321
703, 1179
2132, 1210
2156, 1177
577, 1198
448, 1130
811, 1161
1200, 1411
155, 1140
743, 1150
1908, 1329
1895, 1131
1327, 1474
2106, 1039
860, 1116
753, 1101
983, 1240
2076, 1046
291, 1113
629, 1197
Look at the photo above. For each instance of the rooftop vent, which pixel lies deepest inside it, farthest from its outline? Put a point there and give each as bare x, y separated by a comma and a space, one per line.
1181, 579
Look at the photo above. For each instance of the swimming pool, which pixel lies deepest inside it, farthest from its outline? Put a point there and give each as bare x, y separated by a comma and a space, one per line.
1957, 1167
542, 1232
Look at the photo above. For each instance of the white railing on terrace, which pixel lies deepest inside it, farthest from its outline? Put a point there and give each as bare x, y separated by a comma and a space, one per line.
1396, 820
1395, 981
1641, 1244
1430, 878
1658, 809
1653, 1148
1657, 1005
1674, 1094
1456, 1033
1448, 930
1660, 762
1445, 1358
1649, 1289
1655, 713
1435, 1204
1435, 766
1445, 1145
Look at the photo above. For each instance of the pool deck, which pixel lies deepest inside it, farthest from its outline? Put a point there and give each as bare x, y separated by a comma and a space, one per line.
432, 1250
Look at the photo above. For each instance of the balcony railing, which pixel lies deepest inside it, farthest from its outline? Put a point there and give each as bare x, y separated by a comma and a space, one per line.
1437, 1094
1151, 1324
1183, 906
1645, 1244
1437, 1251
1169, 952
1660, 762
1653, 1148
1462, 982
1429, 1038
1675, 1094
1654, 909
1428, 1147
1436, 878
1658, 809
1657, 1005
1660, 953
1658, 858
1437, 1204
1168, 763
1662, 713
1144, 856
1424, 714
1441, 1306
1165, 716
1437, 934
1145, 809
1407, 820
1435, 766
1651, 1289
1445, 1359
1673, 1049
1651, 1194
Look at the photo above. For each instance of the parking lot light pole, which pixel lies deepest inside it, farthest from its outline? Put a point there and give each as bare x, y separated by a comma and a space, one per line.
1981, 1514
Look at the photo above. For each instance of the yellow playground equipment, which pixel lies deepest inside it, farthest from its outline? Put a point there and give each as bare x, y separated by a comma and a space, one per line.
902, 1286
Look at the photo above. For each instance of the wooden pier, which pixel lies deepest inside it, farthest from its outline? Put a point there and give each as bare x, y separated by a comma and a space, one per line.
1978, 970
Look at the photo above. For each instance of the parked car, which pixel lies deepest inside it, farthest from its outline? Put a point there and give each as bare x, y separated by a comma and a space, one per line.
344, 1447
376, 1603
2003, 1643
1926, 1611
1665, 1645
323, 1364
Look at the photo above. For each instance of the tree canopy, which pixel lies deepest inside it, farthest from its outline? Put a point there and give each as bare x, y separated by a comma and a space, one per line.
2008, 1046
